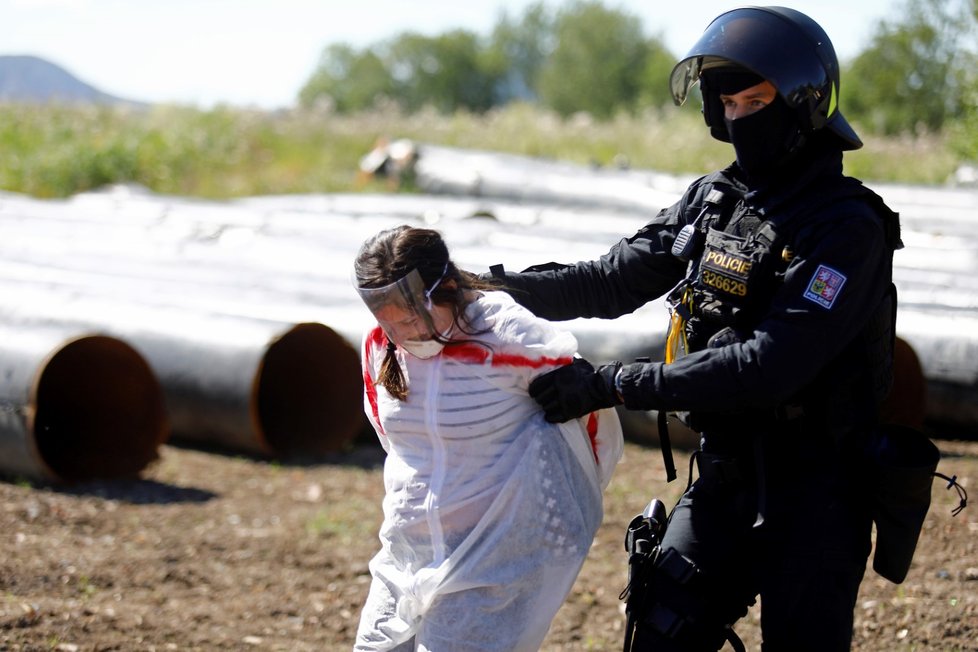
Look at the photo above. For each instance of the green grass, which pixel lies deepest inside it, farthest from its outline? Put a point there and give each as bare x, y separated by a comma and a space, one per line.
52, 151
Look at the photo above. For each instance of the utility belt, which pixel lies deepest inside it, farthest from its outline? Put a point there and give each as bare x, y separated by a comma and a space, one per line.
735, 472
744, 423
726, 471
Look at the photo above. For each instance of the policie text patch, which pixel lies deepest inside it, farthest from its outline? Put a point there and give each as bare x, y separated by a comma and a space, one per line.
825, 286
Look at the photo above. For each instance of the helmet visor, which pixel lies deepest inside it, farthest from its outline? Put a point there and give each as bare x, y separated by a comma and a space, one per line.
403, 308
765, 43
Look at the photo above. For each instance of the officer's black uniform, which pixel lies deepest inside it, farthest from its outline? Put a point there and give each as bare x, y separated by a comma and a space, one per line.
786, 404
781, 285
779, 273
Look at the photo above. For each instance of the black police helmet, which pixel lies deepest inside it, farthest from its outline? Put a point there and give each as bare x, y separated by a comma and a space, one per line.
781, 45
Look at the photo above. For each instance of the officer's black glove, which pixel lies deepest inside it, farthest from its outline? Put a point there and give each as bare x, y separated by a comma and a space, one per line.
495, 276
575, 390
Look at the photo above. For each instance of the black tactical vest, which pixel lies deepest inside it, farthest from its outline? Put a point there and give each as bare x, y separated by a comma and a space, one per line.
737, 260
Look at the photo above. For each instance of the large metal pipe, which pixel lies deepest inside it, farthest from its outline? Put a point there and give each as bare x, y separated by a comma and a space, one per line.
946, 343
270, 389
76, 407
256, 385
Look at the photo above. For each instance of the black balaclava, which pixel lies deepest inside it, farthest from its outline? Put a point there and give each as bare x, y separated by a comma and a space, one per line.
763, 140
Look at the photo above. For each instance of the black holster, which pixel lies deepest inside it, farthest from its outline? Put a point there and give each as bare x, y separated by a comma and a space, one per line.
643, 541
902, 465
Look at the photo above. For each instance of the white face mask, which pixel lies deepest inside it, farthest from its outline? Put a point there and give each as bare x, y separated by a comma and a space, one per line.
425, 349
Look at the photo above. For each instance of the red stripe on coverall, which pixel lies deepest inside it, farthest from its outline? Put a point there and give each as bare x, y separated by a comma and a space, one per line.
375, 340
479, 354
474, 353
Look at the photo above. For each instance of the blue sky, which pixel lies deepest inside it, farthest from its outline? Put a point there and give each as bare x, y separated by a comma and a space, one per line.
261, 52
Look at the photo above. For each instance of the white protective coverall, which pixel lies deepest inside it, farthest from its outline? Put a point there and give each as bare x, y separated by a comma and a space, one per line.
489, 510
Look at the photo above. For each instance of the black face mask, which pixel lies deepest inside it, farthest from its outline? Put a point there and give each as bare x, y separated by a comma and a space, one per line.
765, 139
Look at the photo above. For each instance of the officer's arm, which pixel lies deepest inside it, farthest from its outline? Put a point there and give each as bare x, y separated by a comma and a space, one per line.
632, 273
828, 295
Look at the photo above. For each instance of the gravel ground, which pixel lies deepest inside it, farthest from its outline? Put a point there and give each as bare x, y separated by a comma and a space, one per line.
210, 551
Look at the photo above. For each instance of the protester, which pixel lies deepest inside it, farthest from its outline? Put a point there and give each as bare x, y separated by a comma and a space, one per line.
489, 510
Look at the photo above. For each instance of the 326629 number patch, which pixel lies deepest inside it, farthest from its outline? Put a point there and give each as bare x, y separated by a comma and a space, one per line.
724, 283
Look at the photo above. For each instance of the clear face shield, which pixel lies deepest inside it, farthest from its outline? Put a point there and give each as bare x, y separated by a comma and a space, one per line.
406, 313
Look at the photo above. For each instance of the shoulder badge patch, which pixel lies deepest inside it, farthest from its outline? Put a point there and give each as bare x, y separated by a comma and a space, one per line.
825, 286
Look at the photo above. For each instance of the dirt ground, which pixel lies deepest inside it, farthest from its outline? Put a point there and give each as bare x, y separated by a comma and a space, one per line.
211, 551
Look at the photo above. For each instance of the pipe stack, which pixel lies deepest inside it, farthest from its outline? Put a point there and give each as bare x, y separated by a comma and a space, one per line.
245, 313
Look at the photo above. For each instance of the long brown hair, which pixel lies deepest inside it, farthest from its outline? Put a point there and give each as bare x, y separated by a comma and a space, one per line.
391, 255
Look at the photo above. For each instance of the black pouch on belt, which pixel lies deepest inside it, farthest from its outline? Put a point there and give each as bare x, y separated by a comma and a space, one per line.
902, 465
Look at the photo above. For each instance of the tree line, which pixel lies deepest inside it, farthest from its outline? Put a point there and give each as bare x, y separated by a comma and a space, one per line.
916, 74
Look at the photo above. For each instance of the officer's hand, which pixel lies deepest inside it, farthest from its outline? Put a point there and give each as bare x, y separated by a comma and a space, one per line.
495, 276
575, 390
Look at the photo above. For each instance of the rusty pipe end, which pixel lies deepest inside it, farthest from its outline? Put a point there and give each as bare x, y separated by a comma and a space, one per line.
310, 392
98, 411
907, 402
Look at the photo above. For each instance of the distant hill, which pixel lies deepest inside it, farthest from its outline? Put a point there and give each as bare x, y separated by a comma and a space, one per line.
32, 80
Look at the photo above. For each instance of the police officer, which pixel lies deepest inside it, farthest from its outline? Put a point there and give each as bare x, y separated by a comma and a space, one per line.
778, 271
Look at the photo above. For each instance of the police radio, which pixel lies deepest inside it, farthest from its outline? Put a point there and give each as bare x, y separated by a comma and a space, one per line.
689, 242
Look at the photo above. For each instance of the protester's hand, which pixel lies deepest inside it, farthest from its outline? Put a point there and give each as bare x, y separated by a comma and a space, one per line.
575, 390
